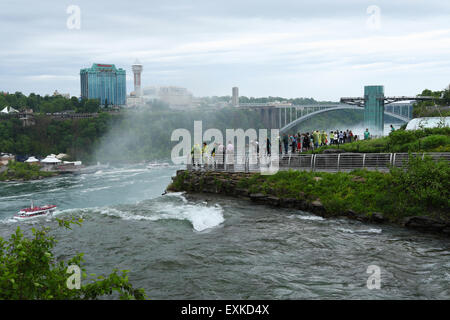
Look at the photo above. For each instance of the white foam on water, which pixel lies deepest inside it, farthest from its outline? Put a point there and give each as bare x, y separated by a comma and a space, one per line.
372, 230
345, 230
112, 212
29, 221
177, 195
312, 218
201, 217
19, 196
8, 220
95, 189
73, 210
121, 171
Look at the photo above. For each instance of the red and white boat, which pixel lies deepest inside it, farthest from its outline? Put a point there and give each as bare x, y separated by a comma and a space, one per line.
33, 212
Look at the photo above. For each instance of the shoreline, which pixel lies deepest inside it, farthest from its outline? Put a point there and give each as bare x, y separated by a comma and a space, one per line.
32, 179
228, 184
11, 175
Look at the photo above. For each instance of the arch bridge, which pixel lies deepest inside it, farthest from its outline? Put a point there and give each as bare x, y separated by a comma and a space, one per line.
286, 116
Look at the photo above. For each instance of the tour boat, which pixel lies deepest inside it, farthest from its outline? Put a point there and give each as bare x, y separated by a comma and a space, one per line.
33, 212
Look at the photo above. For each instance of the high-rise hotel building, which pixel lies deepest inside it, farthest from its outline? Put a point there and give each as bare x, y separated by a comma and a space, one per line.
104, 82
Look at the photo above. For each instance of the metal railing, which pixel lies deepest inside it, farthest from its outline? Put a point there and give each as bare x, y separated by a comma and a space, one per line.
310, 162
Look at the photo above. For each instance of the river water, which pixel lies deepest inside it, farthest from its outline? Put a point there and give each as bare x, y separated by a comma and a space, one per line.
179, 247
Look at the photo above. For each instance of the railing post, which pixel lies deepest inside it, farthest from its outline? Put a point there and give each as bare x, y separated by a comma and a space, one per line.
247, 164
189, 162
364, 160
339, 159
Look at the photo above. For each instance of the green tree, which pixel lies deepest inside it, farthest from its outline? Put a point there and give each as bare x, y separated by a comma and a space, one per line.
29, 271
89, 106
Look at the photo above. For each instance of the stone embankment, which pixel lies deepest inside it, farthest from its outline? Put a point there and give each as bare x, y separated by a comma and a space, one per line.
228, 184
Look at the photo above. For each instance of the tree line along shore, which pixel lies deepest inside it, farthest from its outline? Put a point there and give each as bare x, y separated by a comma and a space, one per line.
129, 137
82, 139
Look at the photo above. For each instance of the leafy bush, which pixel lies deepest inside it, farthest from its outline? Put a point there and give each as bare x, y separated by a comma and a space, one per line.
29, 270
22, 170
434, 141
423, 184
401, 137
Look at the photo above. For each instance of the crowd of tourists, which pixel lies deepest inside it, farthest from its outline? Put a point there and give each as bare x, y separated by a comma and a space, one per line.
219, 154
293, 143
302, 142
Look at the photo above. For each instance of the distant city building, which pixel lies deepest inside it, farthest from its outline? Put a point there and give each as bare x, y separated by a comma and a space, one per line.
104, 82
235, 96
133, 101
175, 97
137, 71
65, 95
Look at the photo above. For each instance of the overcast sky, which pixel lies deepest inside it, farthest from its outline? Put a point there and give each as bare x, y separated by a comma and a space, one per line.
323, 49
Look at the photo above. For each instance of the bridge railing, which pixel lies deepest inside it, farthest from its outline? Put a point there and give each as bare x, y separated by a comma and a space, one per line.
310, 162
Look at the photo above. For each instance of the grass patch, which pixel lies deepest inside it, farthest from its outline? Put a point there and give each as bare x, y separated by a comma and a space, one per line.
423, 188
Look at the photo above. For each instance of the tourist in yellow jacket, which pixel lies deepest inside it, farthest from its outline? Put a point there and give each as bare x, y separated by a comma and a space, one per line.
205, 156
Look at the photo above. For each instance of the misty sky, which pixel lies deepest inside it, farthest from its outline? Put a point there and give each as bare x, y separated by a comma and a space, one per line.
323, 49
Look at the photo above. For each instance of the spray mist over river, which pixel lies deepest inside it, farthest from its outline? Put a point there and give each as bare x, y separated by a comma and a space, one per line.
179, 247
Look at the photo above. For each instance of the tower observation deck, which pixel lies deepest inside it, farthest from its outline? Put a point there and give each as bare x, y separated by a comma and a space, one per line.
137, 71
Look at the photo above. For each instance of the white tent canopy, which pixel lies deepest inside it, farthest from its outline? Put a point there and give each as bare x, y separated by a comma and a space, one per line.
31, 159
61, 156
75, 163
8, 110
50, 159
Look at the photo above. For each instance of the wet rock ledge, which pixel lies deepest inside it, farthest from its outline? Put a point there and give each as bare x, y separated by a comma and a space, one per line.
227, 183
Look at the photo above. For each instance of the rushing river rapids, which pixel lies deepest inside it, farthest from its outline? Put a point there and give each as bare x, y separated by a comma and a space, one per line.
181, 247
